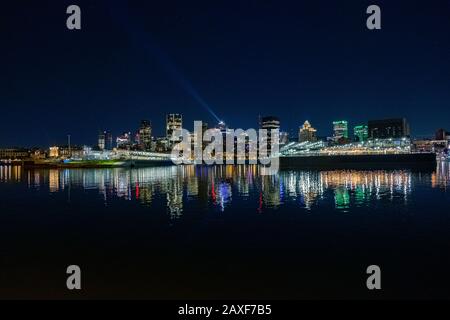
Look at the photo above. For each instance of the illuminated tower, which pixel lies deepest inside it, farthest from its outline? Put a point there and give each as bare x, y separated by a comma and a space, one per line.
270, 123
340, 129
101, 141
174, 122
145, 135
361, 133
307, 133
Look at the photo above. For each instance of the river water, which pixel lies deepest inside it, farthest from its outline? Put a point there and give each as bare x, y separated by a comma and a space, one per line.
224, 232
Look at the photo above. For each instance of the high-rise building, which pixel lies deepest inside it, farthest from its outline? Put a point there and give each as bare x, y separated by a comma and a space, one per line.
340, 129
108, 140
270, 123
104, 141
124, 141
145, 135
441, 134
307, 133
101, 140
284, 138
361, 133
388, 128
174, 122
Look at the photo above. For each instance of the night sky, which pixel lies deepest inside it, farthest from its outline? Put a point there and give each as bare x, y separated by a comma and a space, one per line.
297, 60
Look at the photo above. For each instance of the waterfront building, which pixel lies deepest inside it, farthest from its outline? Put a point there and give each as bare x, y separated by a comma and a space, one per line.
361, 133
174, 123
307, 133
65, 152
14, 153
436, 146
388, 128
340, 130
37, 154
53, 152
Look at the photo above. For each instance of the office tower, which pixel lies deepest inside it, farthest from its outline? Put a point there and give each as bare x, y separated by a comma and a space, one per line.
361, 133
174, 123
340, 129
270, 123
441, 134
101, 141
307, 133
284, 137
108, 140
388, 128
145, 135
124, 141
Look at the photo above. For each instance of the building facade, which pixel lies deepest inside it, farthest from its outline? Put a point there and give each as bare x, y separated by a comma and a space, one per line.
388, 128
340, 130
270, 123
124, 141
145, 135
174, 123
307, 133
361, 133
14, 153
101, 143
442, 134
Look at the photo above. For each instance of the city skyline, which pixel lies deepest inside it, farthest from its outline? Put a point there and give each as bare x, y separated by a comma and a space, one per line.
106, 137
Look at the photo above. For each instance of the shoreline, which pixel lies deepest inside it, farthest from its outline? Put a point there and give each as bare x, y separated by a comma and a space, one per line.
320, 162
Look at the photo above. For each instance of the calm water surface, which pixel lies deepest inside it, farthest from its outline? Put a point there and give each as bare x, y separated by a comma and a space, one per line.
224, 232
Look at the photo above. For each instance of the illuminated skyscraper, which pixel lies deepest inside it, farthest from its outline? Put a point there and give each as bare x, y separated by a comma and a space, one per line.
145, 135
307, 133
174, 122
105, 140
340, 129
101, 141
270, 123
361, 133
124, 141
